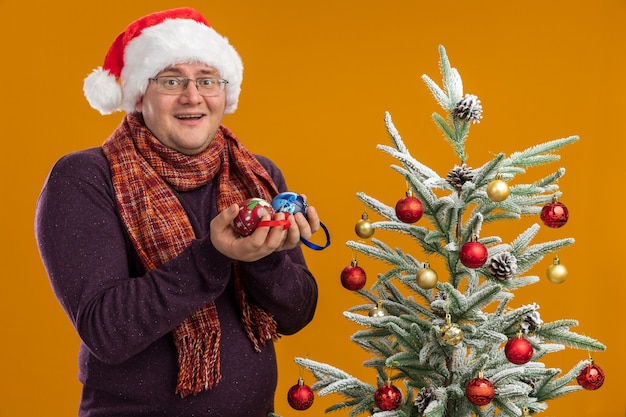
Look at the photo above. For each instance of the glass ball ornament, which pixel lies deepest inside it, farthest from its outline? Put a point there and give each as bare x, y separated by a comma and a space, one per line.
518, 350
426, 277
451, 333
300, 396
363, 228
250, 213
289, 202
554, 214
591, 377
473, 254
479, 391
556, 272
409, 209
378, 311
388, 397
498, 190
353, 277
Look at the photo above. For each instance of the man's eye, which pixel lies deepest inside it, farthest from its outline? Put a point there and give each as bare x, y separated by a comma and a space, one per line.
171, 82
207, 82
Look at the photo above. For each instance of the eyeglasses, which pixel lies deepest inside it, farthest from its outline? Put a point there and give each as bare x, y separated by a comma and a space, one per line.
207, 87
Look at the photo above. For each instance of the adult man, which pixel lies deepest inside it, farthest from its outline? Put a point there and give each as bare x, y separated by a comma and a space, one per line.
176, 312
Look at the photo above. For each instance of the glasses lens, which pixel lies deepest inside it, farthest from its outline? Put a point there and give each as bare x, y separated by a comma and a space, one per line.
208, 86
170, 84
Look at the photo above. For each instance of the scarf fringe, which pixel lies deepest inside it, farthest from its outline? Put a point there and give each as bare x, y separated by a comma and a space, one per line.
198, 363
260, 325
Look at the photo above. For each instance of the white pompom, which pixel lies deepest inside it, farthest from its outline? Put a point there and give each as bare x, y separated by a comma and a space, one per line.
102, 91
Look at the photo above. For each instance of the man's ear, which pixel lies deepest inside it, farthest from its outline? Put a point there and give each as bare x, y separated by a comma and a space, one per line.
139, 104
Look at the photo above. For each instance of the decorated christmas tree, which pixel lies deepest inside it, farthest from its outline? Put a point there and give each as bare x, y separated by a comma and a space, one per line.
454, 343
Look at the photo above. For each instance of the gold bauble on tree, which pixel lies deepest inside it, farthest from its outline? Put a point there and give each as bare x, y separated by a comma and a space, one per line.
498, 190
378, 311
363, 227
556, 273
426, 278
451, 334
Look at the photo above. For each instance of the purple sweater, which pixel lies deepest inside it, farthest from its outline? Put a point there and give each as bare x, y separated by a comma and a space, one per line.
125, 315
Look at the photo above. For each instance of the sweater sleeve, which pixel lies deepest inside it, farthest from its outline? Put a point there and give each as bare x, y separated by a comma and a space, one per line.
116, 310
281, 283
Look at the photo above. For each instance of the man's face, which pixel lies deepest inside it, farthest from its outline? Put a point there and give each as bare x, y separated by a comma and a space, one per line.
186, 122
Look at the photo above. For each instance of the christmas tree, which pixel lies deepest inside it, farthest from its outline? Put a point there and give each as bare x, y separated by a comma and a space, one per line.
456, 346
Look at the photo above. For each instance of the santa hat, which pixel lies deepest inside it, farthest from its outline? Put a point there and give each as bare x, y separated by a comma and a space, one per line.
151, 44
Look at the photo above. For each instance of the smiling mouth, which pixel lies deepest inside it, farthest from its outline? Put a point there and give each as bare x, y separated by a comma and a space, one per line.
189, 116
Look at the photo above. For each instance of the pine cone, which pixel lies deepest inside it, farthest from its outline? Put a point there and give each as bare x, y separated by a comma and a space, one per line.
468, 109
459, 175
503, 266
423, 398
531, 322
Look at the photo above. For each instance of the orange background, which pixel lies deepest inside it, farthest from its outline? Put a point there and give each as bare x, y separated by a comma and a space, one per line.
318, 78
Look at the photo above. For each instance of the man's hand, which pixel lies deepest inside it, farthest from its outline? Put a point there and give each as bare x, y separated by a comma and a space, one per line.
265, 239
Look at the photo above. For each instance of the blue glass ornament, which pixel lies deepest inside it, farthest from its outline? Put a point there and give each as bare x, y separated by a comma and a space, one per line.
289, 202
293, 203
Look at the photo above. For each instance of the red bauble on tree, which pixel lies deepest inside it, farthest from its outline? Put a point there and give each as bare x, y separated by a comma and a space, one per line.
473, 254
388, 397
409, 209
300, 396
591, 377
518, 350
479, 391
554, 214
353, 277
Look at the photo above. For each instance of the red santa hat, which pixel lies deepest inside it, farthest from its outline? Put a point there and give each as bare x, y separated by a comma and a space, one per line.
151, 44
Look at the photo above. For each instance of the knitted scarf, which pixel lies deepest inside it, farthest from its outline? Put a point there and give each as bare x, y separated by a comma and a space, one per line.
143, 170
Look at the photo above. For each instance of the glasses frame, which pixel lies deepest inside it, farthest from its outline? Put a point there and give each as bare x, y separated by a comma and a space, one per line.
185, 83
